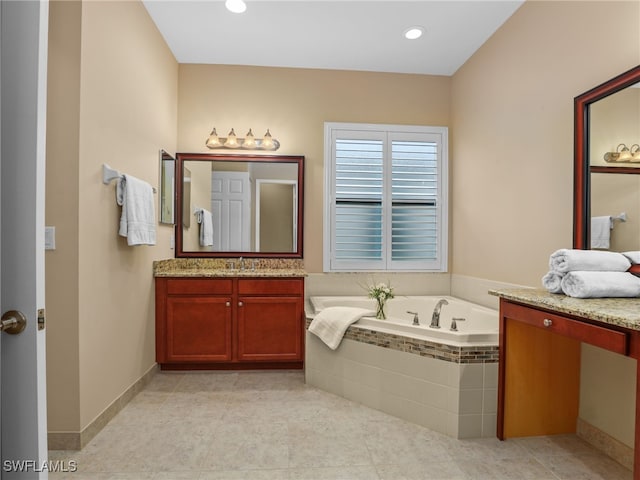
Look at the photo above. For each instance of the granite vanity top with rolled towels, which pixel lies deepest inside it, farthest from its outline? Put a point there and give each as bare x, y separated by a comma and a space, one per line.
623, 312
220, 267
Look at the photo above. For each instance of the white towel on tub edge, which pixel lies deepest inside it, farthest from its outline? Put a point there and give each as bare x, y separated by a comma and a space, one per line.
331, 323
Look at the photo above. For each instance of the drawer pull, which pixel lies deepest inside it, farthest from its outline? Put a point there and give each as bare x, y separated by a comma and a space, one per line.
547, 322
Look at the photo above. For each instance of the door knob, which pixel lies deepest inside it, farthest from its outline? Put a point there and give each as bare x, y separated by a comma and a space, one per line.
13, 322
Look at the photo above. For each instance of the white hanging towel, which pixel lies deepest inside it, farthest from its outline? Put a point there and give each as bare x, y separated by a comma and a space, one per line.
206, 227
601, 231
138, 218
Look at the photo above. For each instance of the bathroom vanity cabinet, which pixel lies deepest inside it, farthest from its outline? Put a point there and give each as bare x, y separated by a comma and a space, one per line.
229, 323
539, 368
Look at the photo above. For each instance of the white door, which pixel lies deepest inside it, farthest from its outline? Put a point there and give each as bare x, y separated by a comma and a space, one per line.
23, 415
231, 211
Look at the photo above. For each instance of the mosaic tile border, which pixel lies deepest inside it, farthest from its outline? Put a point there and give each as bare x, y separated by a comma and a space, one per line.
423, 348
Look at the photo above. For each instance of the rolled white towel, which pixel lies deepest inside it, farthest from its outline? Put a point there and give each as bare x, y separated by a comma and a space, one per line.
634, 257
600, 284
552, 280
568, 260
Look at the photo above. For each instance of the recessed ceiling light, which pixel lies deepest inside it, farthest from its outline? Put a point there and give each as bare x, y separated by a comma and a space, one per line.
235, 6
413, 33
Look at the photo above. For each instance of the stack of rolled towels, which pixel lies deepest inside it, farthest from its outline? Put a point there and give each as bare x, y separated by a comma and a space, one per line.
592, 273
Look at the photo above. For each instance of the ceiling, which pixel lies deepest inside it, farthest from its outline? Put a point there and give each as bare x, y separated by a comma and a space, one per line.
345, 34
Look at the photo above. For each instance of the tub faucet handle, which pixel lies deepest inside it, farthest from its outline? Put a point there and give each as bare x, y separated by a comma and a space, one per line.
416, 320
454, 325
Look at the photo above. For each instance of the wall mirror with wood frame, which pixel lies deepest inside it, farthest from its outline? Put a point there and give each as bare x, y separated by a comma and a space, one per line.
605, 117
231, 205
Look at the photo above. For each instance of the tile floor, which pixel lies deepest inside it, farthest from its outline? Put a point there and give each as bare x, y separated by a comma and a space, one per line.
270, 425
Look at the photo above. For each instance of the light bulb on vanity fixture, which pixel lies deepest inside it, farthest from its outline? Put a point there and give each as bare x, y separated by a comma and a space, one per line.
250, 142
213, 141
232, 140
267, 141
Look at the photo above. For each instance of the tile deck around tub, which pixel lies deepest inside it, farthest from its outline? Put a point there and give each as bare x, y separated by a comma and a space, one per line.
424, 348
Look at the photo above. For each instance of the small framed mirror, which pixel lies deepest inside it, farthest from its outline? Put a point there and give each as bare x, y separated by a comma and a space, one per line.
167, 188
232, 205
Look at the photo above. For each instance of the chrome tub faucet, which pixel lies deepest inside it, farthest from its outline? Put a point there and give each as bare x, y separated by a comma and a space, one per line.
435, 316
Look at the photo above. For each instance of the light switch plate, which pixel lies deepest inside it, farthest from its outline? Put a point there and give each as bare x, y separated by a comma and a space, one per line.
49, 238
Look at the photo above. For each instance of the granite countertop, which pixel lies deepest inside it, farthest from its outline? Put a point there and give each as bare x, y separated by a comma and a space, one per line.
220, 267
623, 312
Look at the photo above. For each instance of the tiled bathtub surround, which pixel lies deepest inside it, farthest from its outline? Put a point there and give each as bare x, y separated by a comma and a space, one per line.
435, 390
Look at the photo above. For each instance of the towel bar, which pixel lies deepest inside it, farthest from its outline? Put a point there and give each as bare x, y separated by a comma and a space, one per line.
109, 174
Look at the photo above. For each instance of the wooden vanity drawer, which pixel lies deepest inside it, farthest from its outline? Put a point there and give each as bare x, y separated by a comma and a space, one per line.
271, 286
199, 286
602, 337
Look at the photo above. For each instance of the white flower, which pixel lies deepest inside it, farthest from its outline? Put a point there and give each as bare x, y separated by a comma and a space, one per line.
381, 292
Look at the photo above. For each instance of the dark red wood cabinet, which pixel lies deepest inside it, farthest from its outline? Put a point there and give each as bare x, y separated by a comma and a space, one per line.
229, 323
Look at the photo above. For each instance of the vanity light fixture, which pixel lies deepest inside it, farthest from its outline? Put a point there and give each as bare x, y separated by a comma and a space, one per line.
250, 142
624, 154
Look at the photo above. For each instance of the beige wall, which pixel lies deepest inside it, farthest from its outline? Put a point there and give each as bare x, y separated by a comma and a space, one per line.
112, 99
61, 265
512, 166
294, 104
510, 110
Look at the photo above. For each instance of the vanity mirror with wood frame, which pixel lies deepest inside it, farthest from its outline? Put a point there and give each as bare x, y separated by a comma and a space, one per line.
605, 117
231, 205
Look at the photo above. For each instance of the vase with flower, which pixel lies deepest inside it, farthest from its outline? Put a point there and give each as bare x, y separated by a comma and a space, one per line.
380, 292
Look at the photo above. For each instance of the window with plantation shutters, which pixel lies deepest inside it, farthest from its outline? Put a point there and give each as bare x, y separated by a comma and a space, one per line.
386, 190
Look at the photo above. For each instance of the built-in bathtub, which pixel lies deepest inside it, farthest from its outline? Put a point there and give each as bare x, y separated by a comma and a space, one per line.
479, 325
442, 379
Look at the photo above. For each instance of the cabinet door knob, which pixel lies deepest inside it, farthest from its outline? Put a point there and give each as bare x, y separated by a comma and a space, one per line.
547, 322
240, 304
228, 304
